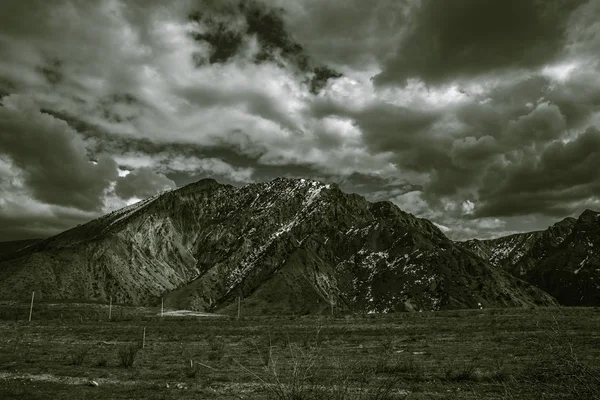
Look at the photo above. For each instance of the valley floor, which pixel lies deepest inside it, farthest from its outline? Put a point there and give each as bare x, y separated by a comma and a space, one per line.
546, 353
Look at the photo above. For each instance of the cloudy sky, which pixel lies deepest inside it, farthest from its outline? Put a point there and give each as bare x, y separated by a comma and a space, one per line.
481, 115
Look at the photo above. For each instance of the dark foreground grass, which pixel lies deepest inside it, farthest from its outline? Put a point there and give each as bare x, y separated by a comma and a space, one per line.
484, 354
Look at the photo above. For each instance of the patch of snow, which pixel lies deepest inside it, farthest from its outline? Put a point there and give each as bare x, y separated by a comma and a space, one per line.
188, 313
581, 265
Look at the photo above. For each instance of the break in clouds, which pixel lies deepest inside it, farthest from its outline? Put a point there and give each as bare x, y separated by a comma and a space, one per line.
480, 115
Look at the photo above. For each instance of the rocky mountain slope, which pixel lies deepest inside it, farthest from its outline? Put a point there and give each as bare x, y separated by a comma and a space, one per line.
285, 246
563, 260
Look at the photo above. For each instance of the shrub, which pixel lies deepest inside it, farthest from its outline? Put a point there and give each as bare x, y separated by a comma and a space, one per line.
127, 355
466, 372
560, 367
216, 349
78, 356
298, 374
102, 362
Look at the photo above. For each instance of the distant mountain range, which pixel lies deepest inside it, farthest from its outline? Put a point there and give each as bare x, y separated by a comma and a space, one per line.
299, 246
563, 260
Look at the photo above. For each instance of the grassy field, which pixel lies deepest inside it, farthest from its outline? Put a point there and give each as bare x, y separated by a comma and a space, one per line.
476, 354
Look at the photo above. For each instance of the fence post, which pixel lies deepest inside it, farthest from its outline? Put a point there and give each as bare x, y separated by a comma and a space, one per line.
31, 308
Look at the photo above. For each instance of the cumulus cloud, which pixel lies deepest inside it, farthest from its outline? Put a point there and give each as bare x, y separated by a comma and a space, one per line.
395, 100
554, 182
450, 40
348, 34
470, 151
52, 158
543, 124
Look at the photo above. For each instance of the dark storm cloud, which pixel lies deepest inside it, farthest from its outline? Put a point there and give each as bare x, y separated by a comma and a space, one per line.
388, 127
404, 132
466, 38
488, 113
225, 27
470, 152
181, 162
486, 147
246, 91
321, 76
543, 124
119, 107
142, 183
6, 87
561, 175
499, 125
476, 160
15, 12
52, 157
510, 124
568, 105
384, 126
254, 102
577, 98
224, 41
512, 96
268, 27
52, 71
32, 223
352, 34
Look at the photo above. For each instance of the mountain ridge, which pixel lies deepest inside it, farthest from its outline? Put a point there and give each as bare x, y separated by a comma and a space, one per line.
284, 246
562, 260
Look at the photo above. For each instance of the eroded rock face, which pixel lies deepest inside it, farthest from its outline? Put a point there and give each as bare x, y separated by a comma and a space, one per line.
285, 246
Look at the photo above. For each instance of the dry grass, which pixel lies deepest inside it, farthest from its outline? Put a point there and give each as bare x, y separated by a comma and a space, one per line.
489, 354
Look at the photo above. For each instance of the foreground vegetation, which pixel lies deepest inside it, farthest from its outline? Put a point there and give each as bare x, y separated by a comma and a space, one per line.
546, 353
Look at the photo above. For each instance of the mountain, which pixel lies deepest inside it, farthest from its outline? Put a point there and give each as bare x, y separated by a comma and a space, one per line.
563, 260
285, 246
530, 247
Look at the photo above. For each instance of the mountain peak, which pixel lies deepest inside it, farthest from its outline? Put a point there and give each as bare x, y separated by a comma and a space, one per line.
207, 182
285, 246
589, 216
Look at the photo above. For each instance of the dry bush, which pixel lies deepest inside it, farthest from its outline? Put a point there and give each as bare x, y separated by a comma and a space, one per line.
216, 349
558, 370
295, 373
77, 356
127, 355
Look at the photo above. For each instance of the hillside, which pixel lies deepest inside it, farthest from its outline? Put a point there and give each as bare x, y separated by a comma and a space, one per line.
285, 246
